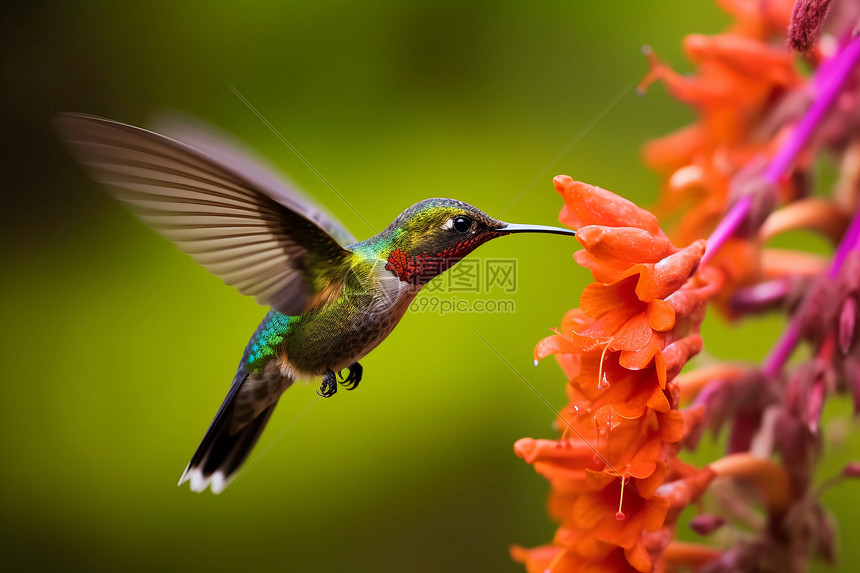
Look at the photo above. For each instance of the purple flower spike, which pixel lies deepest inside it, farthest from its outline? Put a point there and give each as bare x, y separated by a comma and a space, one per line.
805, 27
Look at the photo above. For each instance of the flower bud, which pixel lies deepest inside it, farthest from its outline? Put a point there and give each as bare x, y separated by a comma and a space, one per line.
706, 523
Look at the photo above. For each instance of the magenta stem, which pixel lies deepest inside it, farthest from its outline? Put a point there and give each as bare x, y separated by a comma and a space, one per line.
727, 227
831, 84
830, 77
850, 242
782, 350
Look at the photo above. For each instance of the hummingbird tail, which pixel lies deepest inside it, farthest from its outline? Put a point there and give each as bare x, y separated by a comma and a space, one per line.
220, 454
224, 448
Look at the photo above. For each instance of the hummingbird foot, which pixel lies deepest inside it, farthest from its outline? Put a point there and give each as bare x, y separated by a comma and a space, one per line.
353, 378
329, 385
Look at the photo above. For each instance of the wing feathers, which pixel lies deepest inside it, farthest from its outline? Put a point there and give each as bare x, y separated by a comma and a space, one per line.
226, 222
263, 177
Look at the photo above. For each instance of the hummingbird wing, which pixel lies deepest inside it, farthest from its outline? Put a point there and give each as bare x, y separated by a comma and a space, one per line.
227, 150
250, 229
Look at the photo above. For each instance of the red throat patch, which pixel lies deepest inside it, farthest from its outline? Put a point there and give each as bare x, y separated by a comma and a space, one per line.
419, 269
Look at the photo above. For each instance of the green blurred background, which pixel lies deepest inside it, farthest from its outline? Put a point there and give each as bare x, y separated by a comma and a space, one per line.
117, 349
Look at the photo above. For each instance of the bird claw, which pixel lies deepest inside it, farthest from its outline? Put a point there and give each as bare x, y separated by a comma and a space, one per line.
353, 378
328, 386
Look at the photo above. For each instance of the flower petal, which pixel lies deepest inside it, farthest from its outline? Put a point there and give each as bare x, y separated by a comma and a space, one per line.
591, 205
667, 276
597, 299
627, 244
661, 315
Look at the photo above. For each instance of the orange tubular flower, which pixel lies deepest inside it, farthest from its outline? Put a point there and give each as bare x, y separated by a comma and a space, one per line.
739, 77
636, 328
740, 175
759, 19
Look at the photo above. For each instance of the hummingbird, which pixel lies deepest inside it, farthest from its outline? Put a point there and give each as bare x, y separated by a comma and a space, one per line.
332, 298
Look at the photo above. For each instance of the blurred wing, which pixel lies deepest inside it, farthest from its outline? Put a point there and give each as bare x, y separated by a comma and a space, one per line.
260, 243
226, 150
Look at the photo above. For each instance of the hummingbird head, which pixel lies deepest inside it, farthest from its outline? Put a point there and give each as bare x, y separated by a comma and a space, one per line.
432, 235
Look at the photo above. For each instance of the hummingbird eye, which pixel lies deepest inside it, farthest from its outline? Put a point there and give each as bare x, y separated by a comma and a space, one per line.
462, 224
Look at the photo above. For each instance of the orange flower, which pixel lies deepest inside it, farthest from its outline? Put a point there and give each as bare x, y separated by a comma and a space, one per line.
737, 78
626, 320
759, 19
740, 77
627, 447
586, 204
635, 330
551, 558
637, 448
618, 487
599, 513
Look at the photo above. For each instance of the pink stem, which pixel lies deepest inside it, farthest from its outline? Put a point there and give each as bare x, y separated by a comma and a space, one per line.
831, 82
781, 352
850, 242
727, 227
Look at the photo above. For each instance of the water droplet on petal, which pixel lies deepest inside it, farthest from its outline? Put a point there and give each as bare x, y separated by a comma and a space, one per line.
536, 361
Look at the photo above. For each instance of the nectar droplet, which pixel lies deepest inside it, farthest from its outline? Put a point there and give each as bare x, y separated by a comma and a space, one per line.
603, 382
619, 515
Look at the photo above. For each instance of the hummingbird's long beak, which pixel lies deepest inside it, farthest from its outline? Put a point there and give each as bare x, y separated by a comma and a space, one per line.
514, 228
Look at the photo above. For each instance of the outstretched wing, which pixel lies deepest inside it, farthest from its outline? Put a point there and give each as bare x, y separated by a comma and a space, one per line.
228, 151
251, 231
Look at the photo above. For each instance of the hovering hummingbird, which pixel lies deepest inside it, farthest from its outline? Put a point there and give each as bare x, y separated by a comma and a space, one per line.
333, 299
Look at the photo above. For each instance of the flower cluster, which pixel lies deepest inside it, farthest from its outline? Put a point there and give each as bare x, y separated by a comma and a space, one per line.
617, 483
739, 77
740, 175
